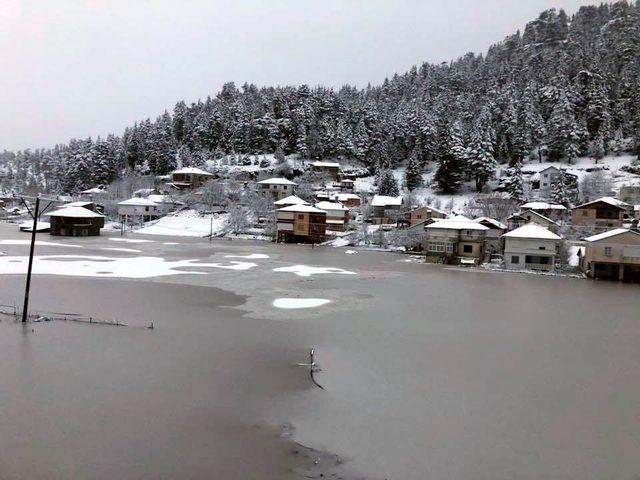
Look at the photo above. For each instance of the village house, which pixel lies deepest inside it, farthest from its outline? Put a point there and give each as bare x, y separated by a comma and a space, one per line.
289, 201
531, 247
337, 215
93, 194
531, 216
165, 203
331, 169
492, 240
613, 255
600, 214
547, 179
385, 209
349, 200
347, 185
189, 177
137, 210
301, 223
455, 240
419, 215
75, 222
554, 211
277, 188
145, 192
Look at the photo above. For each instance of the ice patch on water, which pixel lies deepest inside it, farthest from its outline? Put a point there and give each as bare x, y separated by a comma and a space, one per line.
252, 256
350, 252
39, 243
299, 302
116, 249
307, 271
170, 243
121, 267
130, 240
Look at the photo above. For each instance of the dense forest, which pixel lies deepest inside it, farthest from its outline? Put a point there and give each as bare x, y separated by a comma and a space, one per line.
565, 86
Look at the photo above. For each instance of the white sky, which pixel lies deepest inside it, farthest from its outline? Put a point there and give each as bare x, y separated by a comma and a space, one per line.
74, 68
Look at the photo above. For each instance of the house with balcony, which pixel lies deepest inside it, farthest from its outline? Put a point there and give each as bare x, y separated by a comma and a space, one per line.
337, 215
456, 240
138, 210
419, 215
554, 211
349, 200
531, 247
547, 179
277, 188
289, 201
301, 224
189, 177
613, 255
332, 169
600, 214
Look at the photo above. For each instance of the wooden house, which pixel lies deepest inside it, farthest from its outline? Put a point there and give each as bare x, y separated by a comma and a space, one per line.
75, 222
189, 177
332, 169
455, 240
601, 214
419, 215
301, 223
337, 215
385, 209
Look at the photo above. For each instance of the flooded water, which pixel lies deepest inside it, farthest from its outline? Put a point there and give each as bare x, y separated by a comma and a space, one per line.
428, 372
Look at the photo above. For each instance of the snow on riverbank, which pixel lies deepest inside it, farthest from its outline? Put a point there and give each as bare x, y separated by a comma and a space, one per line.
251, 256
129, 240
187, 224
299, 302
39, 243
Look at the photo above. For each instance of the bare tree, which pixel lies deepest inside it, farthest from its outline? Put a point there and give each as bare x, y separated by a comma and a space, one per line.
237, 221
596, 184
494, 205
214, 194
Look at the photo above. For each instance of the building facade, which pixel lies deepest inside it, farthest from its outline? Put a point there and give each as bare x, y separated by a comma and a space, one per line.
531, 247
301, 224
613, 255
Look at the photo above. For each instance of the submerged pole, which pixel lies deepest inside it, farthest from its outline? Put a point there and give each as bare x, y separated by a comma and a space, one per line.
25, 308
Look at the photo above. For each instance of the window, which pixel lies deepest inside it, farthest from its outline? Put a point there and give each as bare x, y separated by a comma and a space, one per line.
440, 247
515, 259
546, 175
584, 213
607, 251
534, 259
467, 248
146, 209
544, 184
542, 248
301, 216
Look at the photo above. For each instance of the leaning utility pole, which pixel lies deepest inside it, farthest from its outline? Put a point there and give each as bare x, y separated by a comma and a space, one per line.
35, 214
25, 308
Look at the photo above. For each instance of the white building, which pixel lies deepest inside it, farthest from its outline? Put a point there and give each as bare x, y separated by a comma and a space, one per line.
138, 209
531, 247
385, 209
278, 188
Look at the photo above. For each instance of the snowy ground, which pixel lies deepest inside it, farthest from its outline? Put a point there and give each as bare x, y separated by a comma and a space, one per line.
187, 223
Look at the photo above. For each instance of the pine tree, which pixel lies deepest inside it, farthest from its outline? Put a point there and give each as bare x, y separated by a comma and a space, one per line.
565, 191
480, 159
413, 172
564, 132
513, 183
387, 184
450, 157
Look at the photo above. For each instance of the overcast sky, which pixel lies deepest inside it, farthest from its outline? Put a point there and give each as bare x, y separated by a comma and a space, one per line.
77, 68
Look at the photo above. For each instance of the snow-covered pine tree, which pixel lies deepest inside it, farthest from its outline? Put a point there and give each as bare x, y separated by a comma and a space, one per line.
387, 184
413, 171
513, 182
480, 160
451, 158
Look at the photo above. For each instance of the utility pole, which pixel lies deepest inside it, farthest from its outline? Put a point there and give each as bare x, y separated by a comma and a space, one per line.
211, 228
25, 308
35, 214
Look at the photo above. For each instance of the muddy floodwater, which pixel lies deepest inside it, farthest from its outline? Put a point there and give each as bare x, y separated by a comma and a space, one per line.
428, 371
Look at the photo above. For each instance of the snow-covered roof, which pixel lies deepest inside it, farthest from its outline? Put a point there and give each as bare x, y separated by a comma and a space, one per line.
346, 196
492, 221
142, 202
276, 181
144, 191
74, 212
458, 222
326, 164
191, 171
93, 190
384, 201
163, 199
608, 234
331, 206
532, 230
537, 214
301, 209
542, 206
291, 200
78, 204
614, 202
